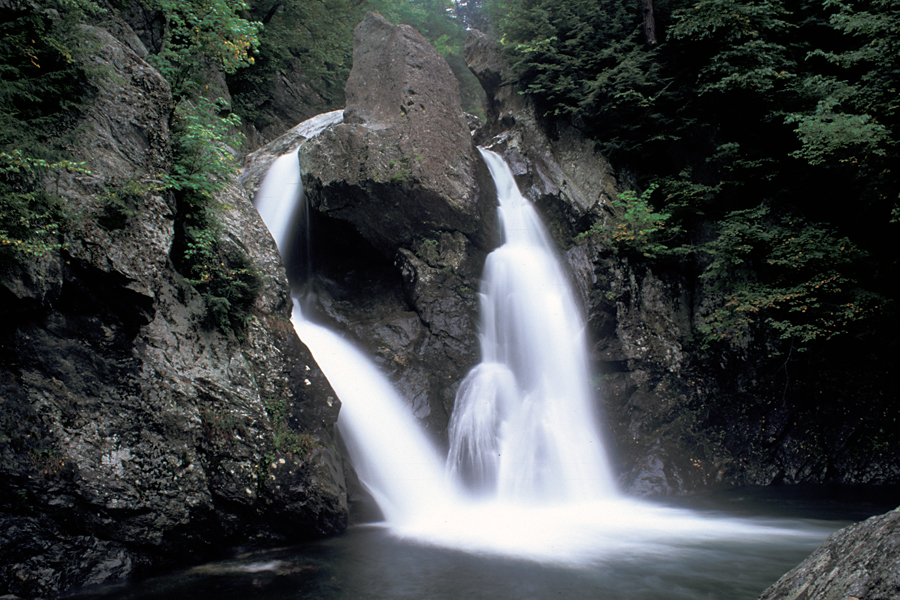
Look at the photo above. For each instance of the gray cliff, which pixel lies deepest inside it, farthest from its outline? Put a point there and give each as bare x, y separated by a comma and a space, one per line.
132, 433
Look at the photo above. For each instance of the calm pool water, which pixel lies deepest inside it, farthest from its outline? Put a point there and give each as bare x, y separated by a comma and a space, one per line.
370, 563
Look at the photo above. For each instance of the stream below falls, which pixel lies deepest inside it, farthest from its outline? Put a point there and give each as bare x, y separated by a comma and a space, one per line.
369, 562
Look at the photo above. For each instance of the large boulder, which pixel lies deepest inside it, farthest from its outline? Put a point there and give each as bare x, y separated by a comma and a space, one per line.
403, 213
132, 432
403, 162
858, 562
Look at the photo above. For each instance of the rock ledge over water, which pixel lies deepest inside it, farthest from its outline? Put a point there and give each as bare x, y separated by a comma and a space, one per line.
860, 561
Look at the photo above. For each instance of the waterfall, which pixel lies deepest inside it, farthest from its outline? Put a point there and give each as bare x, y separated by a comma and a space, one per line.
278, 199
526, 474
391, 455
524, 427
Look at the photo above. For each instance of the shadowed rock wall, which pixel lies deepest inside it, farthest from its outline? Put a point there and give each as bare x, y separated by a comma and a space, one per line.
132, 432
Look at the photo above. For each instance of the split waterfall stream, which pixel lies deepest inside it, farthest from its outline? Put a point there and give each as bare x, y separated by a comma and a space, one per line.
527, 474
525, 504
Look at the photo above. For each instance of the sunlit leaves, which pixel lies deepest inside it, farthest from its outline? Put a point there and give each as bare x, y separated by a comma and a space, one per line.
636, 227
200, 30
828, 133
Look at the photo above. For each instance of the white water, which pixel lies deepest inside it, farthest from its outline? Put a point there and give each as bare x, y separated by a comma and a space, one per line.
278, 198
524, 427
523, 433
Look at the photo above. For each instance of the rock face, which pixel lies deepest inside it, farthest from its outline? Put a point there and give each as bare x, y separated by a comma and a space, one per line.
403, 213
403, 161
559, 169
131, 433
860, 561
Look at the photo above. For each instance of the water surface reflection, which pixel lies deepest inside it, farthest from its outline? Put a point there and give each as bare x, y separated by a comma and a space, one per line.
370, 563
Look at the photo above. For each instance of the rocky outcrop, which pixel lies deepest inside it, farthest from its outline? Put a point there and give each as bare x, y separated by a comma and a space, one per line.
860, 561
403, 162
403, 213
555, 166
131, 432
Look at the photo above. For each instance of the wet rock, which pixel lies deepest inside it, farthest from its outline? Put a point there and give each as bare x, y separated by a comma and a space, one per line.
860, 561
403, 163
131, 433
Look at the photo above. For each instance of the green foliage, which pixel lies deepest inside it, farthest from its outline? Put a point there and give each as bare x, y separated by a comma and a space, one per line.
828, 134
201, 33
584, 60
198, 31
42, 87
794, 276
32, 219
228, 281
285, 439
202, 168
639, 229
203, 146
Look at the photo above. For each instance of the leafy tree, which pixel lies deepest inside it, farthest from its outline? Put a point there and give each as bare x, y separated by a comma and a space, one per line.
319, 35
198, 31
796, 277
636, 228
854, 124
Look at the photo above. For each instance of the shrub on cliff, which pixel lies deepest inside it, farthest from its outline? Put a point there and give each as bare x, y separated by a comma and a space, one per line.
43, 86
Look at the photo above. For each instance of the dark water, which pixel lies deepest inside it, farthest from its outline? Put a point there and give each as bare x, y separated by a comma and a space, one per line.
369, 563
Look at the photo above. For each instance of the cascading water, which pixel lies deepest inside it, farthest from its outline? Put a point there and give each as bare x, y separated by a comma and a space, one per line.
526, 474
278, 198
523, 426
390, 454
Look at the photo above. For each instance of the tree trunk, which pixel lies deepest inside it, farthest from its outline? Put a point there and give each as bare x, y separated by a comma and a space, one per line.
649, 22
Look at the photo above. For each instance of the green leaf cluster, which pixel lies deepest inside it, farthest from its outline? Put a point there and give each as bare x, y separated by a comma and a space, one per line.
203, 167
32, 219
584, 60
199, 32
204, 146
638, 228
782, 271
